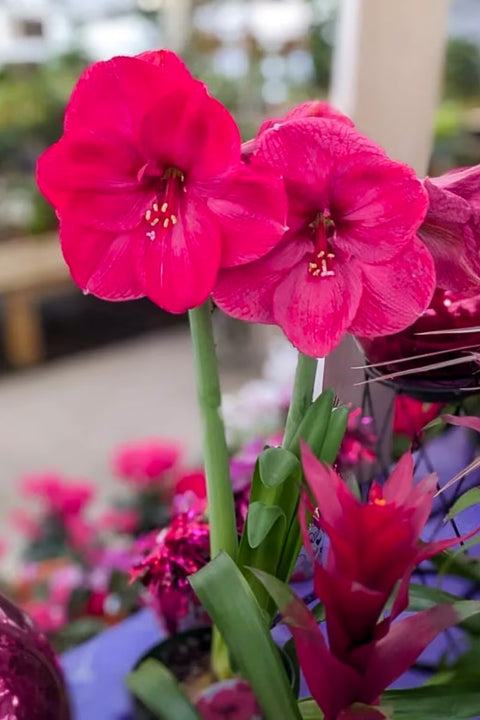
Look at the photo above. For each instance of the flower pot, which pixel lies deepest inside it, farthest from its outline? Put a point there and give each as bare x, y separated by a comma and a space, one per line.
187, 655
447, 312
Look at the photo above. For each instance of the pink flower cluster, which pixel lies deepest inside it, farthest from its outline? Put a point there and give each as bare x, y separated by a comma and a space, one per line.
309, 226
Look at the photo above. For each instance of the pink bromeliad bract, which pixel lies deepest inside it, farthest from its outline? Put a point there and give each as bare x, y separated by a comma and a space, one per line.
149, 186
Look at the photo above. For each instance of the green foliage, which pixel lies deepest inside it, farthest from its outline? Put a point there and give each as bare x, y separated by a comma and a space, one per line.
158, 690
230, 602
462, 69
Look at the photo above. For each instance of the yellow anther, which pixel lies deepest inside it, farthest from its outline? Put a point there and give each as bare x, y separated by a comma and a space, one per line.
174, 219
164, 207
148, 215
166, 222
155, 207
155, 222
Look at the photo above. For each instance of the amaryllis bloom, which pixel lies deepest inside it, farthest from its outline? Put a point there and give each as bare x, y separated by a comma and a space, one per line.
166, 560
31, 682
412, 415
350, 260
451, 230
372, 547
145, 462
61, 496
149, 186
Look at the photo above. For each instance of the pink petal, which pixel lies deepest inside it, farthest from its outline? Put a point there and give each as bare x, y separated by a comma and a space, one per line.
315, 312
251, 206
191, 131
305, 152
119, 92
182, 261
246, 292
331, 494
309, 109
108, 265
377, 205
396, 652
453, 239
395, 294
167, 61
93, 177
400, 482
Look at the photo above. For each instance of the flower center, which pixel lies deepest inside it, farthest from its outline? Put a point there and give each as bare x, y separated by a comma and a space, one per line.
321, 261
164, 211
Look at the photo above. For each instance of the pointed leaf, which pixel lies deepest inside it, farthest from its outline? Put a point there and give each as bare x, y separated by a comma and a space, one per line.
261, 519
469, 498
158, 690
433, 702
276, 465
396, 652
336, 431
313, 427
231, 604
333, 684
309, 709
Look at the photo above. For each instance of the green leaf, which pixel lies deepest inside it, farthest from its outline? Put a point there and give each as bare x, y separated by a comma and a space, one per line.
313, 427
158, 690
309, 709
261, 519
471, 497
276, 465
336, 431
231, 604
433, 703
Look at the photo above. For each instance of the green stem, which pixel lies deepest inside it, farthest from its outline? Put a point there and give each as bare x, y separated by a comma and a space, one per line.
302, 395
221, 510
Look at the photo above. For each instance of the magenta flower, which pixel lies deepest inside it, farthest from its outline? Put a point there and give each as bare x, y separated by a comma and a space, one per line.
145, 462
63, 497
451, 230
166, 560
150, 190
350, 260
228, 700
372, 547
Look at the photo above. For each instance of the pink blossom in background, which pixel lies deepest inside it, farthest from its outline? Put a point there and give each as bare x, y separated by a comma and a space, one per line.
120, 520
61, 496
411, 416
358, 444
145, 462
190, 493
228, 700
451, 229
149, 186
350, 260
47, 615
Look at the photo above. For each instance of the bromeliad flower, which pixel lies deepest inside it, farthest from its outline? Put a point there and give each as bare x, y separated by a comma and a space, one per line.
149, 186
451, 230
350, 260
372, 547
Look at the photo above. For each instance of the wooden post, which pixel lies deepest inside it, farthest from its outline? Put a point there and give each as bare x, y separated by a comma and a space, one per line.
387, 70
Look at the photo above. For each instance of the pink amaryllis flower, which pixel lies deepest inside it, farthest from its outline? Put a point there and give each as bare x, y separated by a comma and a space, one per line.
149, 186
350, 260
411, 416
372, 547
61, 496
451, 230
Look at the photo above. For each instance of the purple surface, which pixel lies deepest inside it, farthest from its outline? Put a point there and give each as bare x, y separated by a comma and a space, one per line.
96, 671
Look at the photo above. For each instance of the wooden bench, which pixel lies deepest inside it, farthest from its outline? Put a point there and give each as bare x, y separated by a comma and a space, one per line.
30, 269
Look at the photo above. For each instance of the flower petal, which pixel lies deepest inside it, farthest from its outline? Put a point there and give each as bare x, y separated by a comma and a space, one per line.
246, 292
120, 91
377, 206
182, 261
395, 294
108, 265
191, 131
92, 177
315, 312
251, 206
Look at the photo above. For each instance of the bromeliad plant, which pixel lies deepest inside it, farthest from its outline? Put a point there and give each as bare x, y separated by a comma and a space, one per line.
311, 227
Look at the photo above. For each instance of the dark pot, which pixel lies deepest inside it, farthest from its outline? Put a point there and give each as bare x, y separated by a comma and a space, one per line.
446, 312
187, 656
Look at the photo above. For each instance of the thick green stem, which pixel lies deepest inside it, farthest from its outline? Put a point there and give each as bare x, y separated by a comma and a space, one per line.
301, 397
221, 510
